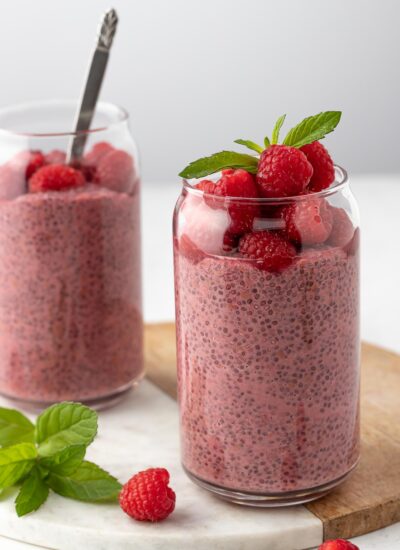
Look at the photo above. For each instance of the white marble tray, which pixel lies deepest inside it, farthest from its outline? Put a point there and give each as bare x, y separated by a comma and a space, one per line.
139, 433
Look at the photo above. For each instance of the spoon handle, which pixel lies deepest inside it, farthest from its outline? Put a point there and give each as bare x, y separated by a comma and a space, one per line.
93, 82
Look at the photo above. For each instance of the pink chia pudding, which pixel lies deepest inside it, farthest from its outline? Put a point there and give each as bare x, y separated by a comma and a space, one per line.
269, 370
267, 311
70, 288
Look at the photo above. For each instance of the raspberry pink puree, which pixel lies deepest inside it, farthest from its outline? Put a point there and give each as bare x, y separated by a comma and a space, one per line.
268, 370
70, 305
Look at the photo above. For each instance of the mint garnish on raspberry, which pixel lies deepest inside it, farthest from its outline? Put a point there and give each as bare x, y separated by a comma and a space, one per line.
311, 129
215, 163
51, 456
277, 129
250, 145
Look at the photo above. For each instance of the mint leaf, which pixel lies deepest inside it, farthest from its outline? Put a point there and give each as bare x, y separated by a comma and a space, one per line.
250, 145
225, 159
63, 425
267, 143
65, 462
89, 483
15, 427
32, 494
312, 128
277, 129
15, 462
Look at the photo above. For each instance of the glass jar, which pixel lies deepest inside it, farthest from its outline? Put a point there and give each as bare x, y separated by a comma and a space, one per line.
70, 267
268, 350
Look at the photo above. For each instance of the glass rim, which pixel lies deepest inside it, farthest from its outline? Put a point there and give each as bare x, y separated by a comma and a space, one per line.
122, 117
341, 181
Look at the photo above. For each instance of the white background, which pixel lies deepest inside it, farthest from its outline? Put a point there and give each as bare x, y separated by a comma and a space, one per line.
197, 74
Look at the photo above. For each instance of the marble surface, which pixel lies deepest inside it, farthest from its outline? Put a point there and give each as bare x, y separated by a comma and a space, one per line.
139, 433
378, 198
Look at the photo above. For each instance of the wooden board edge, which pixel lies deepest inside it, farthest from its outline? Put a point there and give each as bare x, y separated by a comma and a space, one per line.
360, 522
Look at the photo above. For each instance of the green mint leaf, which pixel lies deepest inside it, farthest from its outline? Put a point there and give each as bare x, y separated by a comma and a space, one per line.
312, 128
15, 427
250, 145
15, 462
63, 425
89, 483
65, 462
277, 129
267, 143
225, 159
32, 494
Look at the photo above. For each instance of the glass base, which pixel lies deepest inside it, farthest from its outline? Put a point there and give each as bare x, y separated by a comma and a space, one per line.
97, 403
268, 500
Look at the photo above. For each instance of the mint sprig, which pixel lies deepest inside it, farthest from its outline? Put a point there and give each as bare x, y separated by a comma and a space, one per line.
89, 483
32, 495
15, 462
277, 129
312, 128
63, 425
51, 456
65, 462
250, 145
15, 427
215, 163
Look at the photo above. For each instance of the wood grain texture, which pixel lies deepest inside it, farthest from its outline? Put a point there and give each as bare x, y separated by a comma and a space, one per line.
370, 499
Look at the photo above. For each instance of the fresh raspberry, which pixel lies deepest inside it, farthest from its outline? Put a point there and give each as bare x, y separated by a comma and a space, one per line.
308, 221
55, 177
56, 157
98, 151
36, 161
323, 169
271, 251
338, 544
236, 183
115, 171
27, 162
283, 171
147, 497
230, 242
240, 184
343, 229
88, 170
207, 186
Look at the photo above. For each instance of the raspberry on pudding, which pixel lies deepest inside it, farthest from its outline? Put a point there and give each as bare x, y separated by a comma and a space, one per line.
55, 177
308, 221
268, 327
283, 171
323, 169
271, 251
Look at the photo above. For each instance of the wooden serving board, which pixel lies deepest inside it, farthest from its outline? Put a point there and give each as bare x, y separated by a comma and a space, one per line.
370, 499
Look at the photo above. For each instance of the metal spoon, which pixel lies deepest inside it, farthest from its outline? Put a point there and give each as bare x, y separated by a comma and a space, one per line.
93, 82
